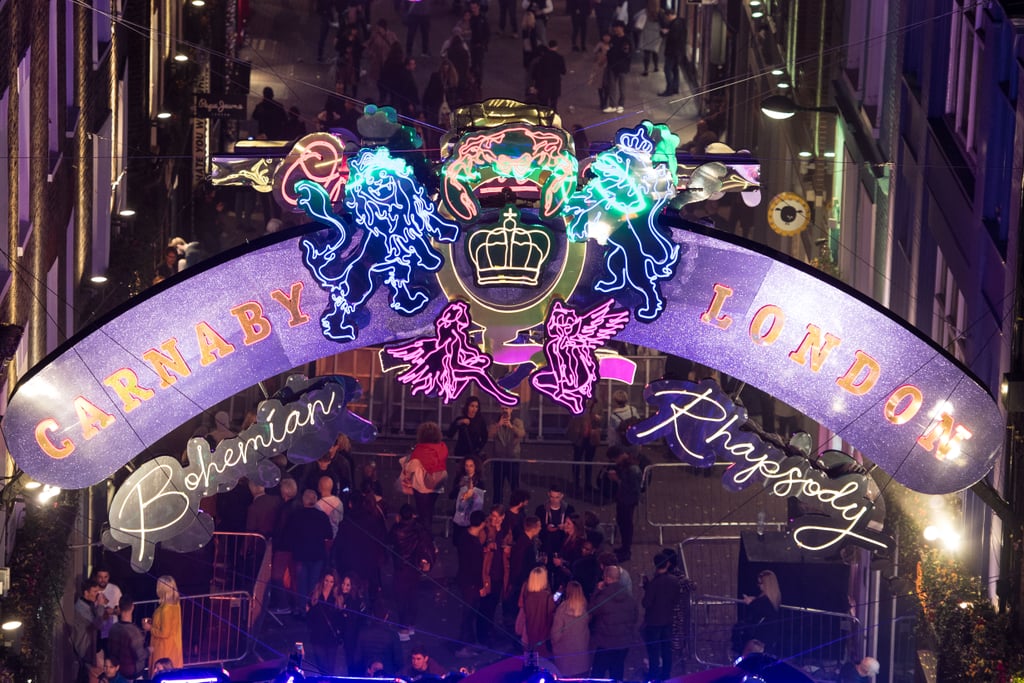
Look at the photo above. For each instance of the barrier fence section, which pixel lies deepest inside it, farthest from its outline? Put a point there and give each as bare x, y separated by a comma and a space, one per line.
215, 628
714, 508
816, 641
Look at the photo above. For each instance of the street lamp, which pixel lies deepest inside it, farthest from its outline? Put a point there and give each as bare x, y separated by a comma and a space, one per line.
780, 107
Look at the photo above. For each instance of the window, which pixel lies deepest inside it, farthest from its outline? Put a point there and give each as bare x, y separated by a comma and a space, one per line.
961, 74
948, 319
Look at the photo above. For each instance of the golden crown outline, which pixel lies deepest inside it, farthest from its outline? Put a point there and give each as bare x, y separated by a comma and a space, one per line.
508, 254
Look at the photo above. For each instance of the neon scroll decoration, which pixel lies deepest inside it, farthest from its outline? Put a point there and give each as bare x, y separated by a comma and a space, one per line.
159, 502
486, 161
619, 209
509, 254
397, 220
318, 157
701, 424
445, 364
573, 337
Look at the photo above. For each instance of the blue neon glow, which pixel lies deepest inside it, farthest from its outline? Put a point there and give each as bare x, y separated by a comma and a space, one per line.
397, 219
620, 207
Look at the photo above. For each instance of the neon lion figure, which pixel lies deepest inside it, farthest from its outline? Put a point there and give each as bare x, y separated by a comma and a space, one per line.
619, 208
397, 220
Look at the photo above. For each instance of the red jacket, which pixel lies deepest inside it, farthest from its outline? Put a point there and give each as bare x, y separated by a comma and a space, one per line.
434, 456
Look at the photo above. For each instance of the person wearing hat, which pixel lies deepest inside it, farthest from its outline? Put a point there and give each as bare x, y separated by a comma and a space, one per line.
661, 594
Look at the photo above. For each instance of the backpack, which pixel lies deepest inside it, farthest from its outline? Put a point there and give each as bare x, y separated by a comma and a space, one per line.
624, 424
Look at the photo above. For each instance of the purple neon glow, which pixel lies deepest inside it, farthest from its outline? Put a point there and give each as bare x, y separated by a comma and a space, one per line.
755, 279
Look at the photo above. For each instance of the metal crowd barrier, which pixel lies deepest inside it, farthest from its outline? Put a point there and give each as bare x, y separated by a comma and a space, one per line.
814, 641
215, 628
716, 507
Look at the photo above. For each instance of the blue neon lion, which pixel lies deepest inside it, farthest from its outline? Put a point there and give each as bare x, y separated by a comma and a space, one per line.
619, 208
397, 220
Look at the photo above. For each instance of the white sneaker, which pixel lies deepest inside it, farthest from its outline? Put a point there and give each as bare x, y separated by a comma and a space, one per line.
609, 110
619, 110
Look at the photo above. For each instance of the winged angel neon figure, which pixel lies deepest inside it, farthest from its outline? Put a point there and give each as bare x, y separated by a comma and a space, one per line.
619, 208
398, 219
572, 337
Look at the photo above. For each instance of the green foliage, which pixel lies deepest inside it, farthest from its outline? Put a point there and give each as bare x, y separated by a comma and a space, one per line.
38, 570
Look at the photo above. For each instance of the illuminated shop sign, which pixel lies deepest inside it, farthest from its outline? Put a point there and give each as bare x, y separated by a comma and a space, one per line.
488, 292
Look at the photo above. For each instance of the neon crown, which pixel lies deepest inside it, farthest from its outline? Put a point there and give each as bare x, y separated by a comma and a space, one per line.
509, 254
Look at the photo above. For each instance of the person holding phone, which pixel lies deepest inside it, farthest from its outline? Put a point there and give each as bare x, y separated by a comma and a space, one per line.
506, 436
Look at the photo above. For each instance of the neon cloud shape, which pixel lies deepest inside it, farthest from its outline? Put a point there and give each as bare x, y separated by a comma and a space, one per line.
572, 339
317, 157
619, 209
446, 363
397, 219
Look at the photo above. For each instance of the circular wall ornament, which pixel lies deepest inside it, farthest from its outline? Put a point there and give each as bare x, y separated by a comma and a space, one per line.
788, 214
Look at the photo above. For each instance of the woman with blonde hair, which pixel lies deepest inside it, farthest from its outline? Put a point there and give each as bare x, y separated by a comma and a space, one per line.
538, 612
323, 616
570, 633
165, 632
762, 612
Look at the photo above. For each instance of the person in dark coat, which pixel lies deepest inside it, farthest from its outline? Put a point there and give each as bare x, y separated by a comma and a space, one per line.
612, 626
546, 74
674, 33
552, 516
413, 551
310, 532
270, 116
627, 496
660, 597
470, 580
469, 430
522, 560
620, 54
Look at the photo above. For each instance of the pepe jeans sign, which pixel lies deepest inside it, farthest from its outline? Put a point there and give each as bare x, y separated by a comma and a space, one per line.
220, 107
159, 502
701, 424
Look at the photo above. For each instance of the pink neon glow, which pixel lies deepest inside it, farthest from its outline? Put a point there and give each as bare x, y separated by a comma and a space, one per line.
445, 364
572, 338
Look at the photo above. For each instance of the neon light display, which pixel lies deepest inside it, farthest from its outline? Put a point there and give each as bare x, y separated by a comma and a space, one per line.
159, 502
317, 158
620, 209
573, 337
701, 424
120, 386
446, 363
397, 220
515, 153
509, 254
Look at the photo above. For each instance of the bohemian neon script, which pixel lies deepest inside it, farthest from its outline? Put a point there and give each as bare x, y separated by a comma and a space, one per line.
701, 424
159, 503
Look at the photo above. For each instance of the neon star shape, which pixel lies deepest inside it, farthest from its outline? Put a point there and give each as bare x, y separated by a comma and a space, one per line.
573, 337
446, 363
397, 219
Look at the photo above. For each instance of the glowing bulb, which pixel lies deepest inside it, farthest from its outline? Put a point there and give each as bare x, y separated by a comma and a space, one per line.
199, 3
12, 625
777, 72
181, 57
599, 230
126, 213
804, 154
32, 485
164, 115
757, 14
783, 85
48, 493
98, 279
829, 155
931, 532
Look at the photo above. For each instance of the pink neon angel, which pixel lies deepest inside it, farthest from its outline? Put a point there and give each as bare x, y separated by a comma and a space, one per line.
445, 364
572, 338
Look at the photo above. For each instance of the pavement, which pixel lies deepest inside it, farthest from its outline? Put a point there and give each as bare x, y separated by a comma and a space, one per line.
281, 45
